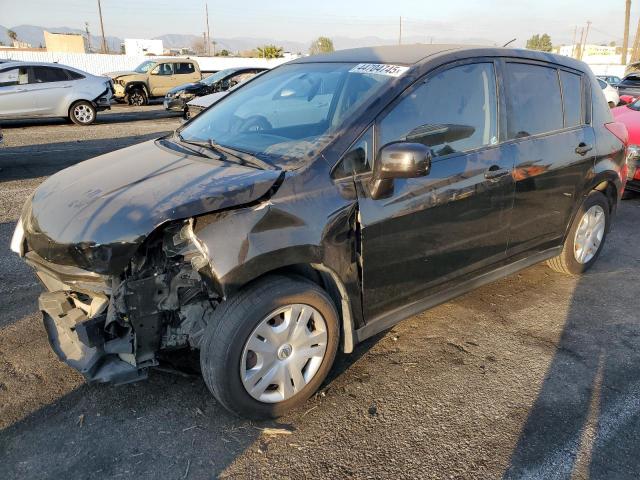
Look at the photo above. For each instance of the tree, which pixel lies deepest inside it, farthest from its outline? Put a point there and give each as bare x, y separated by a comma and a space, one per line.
12, 35
223, 53
540, 42
269, 51
612, 44
199, 46
321, 45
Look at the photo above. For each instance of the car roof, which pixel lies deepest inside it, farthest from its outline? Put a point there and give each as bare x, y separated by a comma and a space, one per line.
22, 63
417, 53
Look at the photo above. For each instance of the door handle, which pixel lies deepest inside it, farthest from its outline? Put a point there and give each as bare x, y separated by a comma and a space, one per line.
583, 148
494, 172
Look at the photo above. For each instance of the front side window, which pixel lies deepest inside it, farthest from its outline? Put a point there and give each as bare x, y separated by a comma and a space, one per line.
144, 67
572, 99
453, 111
47, 75
14, 76
163, 69
290, 112
534, 103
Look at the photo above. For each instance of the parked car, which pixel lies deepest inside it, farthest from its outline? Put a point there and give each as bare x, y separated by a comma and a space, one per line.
612, 80
153, 79
610, 93
33, 90
177, 98
630, 85
629, 115
320, 204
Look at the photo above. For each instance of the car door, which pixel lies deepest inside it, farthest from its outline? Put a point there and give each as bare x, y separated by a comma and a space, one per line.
161, 79
453, 221
553, 150
15, 100
48, 88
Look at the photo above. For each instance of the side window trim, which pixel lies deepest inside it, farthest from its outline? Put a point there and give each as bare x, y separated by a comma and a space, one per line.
422, 80
371, 126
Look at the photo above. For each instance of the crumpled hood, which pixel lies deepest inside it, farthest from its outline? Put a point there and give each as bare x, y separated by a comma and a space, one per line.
111, 203
187, 87
124, 73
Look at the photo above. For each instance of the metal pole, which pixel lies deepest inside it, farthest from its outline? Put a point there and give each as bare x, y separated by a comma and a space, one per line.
573, 45
400, 33
206, 9
104, 41
625, 40
584, 43
635, 51
86, 28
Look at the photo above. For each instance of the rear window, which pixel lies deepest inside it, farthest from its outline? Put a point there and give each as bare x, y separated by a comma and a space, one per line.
185, 68
47, 75
534, 103
630, 80
572, 99
73, 75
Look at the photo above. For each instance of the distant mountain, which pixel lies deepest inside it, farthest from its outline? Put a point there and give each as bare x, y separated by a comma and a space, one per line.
35, 36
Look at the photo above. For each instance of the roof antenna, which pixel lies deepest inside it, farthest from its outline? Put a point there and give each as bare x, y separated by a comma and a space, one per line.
510, 41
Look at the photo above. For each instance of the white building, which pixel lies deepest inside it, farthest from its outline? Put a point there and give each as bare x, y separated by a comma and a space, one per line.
141, 47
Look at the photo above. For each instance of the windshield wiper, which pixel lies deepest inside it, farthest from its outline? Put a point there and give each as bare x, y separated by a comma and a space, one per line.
245, 158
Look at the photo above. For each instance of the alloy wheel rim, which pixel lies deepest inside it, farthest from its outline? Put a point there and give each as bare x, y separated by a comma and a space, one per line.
283, 353
83, 113
136, 99
589, 234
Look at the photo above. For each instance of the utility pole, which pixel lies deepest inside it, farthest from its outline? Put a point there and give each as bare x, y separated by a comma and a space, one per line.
86, 29
204, 43
400, 33
573, 44
584, 42
104, 41
206, 10
625, 40
635, 51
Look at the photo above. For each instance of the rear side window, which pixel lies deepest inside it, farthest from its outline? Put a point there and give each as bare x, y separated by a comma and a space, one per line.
534, 104
73, 75
163, 69
185, 68
572, 99
13, 76
47, 75
453, 111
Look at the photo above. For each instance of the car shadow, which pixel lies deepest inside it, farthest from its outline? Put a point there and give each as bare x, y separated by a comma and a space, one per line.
585, 421
167, 425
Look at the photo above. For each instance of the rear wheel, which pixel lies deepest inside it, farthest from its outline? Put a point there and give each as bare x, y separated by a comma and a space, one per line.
137, 97
268, 349
586, 236
82, 113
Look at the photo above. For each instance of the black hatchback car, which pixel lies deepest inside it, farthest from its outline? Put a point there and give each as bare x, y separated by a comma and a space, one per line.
176, 99
320, 204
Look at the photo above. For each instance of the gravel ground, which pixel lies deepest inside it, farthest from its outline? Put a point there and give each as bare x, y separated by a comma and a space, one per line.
534, 376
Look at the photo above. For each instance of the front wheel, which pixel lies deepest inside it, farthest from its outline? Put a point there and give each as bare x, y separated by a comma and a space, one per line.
137, 98
82, 113
586, 236
268, 349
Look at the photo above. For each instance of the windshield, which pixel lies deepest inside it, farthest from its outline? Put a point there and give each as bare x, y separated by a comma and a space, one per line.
144, 66
216, 77
289, 113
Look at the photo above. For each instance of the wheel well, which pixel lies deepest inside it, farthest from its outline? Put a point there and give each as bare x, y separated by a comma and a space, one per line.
610, 191
329, 281
133, 86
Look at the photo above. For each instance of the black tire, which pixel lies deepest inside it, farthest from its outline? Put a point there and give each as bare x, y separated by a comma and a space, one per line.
566, 262
137, 97
82, 113
233, 322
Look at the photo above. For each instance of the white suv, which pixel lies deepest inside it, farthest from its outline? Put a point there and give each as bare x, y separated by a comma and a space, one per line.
31, 90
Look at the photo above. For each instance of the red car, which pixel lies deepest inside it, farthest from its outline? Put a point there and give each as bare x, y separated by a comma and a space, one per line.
630, 116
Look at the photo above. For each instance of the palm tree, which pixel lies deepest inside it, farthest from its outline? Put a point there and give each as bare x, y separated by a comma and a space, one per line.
12, 35
269, 51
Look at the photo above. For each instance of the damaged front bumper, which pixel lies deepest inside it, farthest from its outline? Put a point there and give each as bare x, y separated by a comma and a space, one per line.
79, 342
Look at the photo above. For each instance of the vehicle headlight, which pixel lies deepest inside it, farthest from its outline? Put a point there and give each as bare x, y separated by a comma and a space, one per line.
17, 240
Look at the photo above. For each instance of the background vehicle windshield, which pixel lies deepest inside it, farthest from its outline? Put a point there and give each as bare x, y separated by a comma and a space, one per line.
216, 77
144, 66
288, 113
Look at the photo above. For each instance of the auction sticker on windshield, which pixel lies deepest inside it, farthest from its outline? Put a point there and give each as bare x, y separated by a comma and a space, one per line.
379, 69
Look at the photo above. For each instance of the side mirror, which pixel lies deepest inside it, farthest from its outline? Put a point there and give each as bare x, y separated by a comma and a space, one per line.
399, 160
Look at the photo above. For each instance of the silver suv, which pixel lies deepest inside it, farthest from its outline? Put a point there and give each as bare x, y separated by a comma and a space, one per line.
32, 90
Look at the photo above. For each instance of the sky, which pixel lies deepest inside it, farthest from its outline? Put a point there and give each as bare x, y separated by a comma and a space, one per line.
298, 20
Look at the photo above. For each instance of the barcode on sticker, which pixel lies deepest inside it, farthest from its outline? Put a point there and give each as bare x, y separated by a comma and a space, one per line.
379, 69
